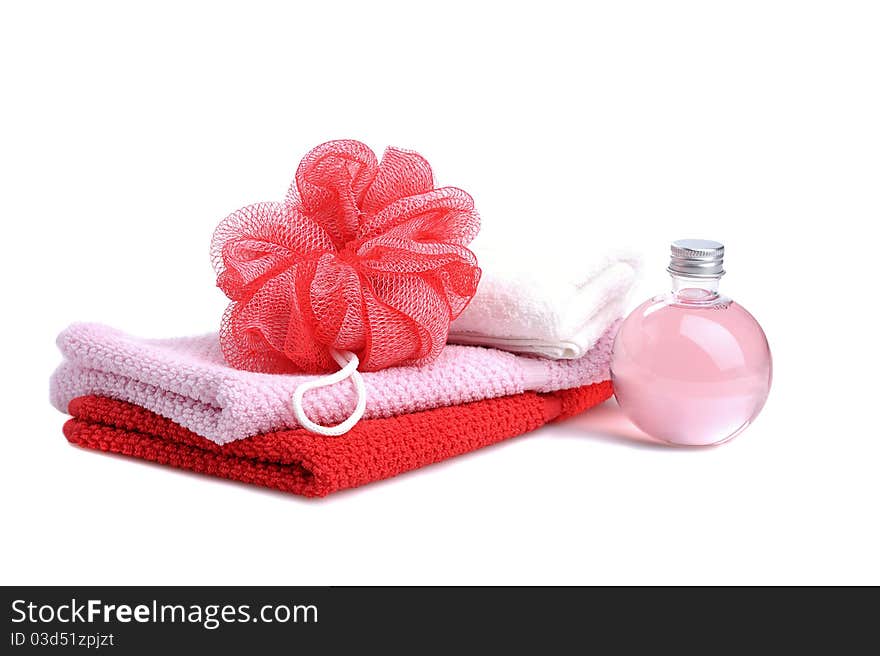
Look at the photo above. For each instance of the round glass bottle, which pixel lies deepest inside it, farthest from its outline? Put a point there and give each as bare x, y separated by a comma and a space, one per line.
692, 367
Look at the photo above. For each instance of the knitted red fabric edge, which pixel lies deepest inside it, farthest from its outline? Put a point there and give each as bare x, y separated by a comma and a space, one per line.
303, 463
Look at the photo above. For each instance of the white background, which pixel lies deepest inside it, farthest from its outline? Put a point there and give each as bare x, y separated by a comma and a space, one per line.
128, 133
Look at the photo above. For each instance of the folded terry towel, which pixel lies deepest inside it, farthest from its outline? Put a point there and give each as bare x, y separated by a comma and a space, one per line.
546, 302
304, 463
187, 380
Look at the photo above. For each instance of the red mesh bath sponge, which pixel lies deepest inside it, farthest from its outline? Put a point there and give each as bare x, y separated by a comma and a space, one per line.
362, 256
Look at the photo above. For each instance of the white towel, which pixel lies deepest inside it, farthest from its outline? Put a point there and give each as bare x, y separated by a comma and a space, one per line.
552, 303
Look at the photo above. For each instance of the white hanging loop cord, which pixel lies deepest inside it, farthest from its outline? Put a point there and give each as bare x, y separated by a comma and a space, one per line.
349, 363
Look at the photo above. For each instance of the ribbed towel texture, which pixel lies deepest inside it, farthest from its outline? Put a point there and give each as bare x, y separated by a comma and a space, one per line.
546, 302
303, 463
187, 381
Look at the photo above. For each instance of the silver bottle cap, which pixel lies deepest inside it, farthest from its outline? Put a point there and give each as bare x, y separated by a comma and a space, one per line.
697, 258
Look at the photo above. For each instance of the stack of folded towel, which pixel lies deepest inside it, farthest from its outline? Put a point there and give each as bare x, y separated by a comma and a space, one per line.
178, 403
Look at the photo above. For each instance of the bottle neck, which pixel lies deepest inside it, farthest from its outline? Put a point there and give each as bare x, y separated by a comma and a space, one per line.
694, 289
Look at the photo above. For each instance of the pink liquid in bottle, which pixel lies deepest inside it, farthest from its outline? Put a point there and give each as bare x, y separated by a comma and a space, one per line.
692, 367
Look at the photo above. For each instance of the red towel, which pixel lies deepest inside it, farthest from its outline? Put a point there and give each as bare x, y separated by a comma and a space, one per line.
304, 463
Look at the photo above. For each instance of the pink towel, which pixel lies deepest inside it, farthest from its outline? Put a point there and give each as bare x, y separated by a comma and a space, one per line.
187, 380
